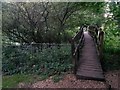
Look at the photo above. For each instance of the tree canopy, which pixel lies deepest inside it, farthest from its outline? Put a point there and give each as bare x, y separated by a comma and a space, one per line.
48, 22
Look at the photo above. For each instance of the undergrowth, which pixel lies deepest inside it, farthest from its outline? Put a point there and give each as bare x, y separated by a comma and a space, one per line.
111, 59
49, 61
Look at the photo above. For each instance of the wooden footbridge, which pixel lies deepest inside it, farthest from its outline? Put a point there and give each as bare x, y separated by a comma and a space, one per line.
87, 53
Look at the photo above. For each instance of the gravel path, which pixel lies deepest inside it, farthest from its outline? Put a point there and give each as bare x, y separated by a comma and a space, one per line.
69, 81
113, 78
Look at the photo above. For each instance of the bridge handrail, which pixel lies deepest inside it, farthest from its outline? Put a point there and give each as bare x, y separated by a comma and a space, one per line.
75, 48
98, 36
79, 44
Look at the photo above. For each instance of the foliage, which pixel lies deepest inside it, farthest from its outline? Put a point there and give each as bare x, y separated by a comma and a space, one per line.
111, 60
48, 62
115, 10
112, 34
47, 22
57, 78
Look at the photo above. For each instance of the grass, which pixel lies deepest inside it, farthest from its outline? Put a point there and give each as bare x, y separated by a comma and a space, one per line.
13, 80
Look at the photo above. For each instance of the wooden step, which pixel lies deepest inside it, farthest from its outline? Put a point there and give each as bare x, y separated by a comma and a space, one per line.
89, 66
94, 69
87, 74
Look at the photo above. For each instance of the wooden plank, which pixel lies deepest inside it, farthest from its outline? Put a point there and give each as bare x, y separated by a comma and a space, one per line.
91, 73
93, 69
89, 66
89, 63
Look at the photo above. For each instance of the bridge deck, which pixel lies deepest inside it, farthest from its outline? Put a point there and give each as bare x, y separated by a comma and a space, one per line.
89, 63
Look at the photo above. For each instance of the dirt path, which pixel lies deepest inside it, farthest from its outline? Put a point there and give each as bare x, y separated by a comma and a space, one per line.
70, 81
113, 78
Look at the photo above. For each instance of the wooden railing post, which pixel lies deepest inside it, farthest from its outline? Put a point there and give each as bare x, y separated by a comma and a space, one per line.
75, 67
101, 38
78, 52
72, 46
98, 38
73, 57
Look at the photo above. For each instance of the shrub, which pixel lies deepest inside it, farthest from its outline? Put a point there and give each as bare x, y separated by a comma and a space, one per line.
111, 60
49, 61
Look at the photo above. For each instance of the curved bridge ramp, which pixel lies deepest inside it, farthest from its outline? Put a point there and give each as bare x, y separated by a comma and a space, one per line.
89, 63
